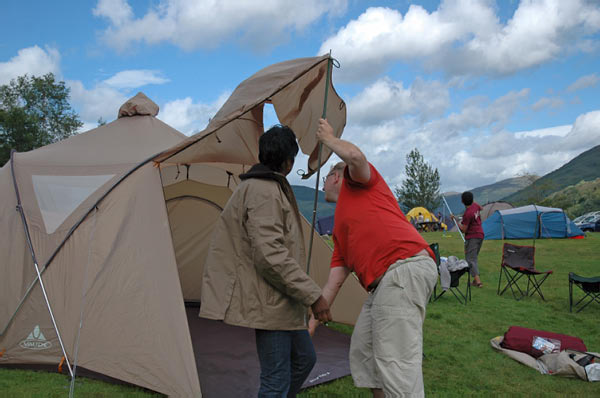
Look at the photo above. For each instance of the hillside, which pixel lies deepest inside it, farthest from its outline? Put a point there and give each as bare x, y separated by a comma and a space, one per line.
305, 197
577, 199
488, 193
585, 167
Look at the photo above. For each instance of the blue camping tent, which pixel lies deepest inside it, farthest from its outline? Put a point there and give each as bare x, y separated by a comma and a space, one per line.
530, 222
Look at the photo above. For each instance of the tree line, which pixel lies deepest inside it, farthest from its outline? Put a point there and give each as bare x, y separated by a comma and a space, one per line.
34, 111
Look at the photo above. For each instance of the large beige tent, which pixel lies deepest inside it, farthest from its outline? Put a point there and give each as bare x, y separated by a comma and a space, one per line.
117, 222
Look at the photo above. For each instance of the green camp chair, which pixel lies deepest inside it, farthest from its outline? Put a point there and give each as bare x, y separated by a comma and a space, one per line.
589, 286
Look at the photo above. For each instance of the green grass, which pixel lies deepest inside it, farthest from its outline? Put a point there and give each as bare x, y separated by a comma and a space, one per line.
459, 359
32, 384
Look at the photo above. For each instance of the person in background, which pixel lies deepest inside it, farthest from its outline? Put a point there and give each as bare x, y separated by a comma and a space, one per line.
253, 275
471, 227
392, 261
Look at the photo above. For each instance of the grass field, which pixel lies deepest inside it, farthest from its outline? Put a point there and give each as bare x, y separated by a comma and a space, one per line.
459, 359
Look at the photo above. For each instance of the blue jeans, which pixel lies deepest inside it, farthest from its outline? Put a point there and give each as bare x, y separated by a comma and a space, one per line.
286, 358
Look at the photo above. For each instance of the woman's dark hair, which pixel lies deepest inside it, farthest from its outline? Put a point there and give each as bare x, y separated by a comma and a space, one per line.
467, 198
276, 146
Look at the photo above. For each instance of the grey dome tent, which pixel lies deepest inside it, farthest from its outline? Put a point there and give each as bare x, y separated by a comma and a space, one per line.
489, 208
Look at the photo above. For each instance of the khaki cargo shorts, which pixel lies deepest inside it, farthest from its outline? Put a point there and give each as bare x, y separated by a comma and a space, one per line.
386, 350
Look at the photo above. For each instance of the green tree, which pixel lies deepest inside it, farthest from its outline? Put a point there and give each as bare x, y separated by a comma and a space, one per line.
422, 184
34, 111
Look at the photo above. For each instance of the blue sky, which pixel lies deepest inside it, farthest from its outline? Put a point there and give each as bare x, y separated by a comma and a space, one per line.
485, 90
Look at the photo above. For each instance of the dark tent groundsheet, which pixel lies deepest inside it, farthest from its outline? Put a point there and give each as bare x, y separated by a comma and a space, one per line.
228, 364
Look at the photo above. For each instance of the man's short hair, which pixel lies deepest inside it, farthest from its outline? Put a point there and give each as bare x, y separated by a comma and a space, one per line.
467, 198
276, 146
338, 167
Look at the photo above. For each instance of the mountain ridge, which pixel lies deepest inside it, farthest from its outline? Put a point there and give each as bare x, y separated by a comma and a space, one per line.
584, 167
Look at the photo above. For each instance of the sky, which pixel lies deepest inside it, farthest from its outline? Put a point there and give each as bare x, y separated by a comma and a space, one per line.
485, 90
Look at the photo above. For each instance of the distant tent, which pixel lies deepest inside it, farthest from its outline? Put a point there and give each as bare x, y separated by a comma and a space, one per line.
530, 222
489, 208
414, 213
427, 216
325, 225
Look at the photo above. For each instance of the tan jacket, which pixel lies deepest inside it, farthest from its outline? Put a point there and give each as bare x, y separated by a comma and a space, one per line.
254, 274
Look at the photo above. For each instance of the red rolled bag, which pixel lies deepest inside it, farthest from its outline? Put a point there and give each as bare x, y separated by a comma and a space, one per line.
525, 340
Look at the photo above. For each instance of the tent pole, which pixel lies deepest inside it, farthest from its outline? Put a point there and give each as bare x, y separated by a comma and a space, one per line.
71, 231
83, 292
455, 223
314, 213
35, 263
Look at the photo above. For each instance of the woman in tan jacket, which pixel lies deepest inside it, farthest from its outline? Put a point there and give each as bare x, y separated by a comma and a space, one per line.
253, 275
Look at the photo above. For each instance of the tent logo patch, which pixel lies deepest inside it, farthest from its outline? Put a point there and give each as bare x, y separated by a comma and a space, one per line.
36, 340
319, 377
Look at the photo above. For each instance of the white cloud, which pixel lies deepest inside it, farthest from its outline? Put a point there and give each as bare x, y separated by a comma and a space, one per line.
99, 102
117, 11
471, 147
584, 82
464, 37
33, 61
559, 131
388, 100
477, 113
135, 78
205, 23
548, 102
189, 117
585, 132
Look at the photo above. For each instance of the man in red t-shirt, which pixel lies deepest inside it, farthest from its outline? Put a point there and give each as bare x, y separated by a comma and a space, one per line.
471, 227
392, 261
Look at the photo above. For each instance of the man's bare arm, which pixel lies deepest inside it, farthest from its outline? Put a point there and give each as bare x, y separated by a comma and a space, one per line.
337, 276
358, 166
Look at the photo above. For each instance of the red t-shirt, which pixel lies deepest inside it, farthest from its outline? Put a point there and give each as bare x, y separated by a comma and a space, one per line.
370, 231
472, 221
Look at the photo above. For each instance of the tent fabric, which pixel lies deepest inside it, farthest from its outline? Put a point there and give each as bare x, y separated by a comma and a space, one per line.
427, 216
228, 366
116, 272
530, 222
489, 208
296, 90
127, 250
138, 105
414, 213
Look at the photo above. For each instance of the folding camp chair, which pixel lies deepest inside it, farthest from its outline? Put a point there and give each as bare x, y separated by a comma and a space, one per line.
462, 296
517, 262
589, 286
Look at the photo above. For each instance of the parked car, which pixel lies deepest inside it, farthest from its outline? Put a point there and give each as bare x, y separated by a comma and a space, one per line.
587, 218
593, 226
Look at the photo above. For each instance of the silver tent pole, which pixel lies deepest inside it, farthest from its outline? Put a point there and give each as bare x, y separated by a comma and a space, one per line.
35, 262
455, 223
